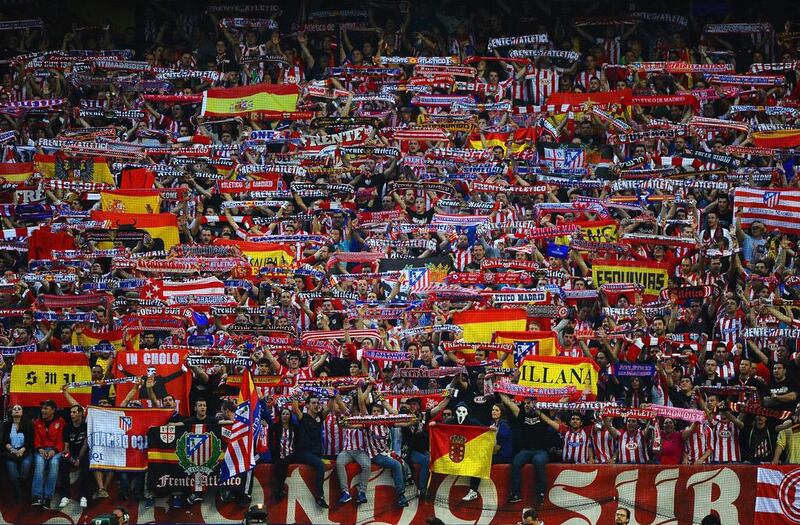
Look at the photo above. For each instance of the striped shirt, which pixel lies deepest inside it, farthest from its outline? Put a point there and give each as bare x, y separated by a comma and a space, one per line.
377, 440
725, 438
576, 444
332, 435
632, 447
698, 443
540, 84
603, 444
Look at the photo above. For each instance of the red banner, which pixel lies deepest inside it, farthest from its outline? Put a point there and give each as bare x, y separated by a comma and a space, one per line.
588, 494
171, 375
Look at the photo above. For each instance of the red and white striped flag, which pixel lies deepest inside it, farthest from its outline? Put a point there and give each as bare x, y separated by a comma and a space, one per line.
678, 162
161, 289
246, 428
777, 495
777, 208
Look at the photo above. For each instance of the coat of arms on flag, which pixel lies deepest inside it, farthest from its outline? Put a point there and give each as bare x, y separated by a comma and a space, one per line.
124, 423
167, 433
198, 452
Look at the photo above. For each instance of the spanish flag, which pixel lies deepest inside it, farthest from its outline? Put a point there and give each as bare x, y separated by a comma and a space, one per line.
520, 139
462, 450
262, 254
92, 338
480, 325
162, 227
529, 343
45, 165
131, 201
781, 138
225, 102
16, 171
39, 376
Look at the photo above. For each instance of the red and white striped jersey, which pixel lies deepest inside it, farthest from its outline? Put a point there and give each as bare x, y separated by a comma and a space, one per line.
576, 444
603, 445
332, 435
461, 258
729, 329
725, 437
612, 48
377, 440
727, 371
354, 439
697, 443
503, 216
709, 279
540, 84
632, 447
583, 78
294, 74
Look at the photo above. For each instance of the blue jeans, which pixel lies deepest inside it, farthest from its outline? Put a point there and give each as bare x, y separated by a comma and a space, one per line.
307, 458
539, 459
424, 462
19, 471
45, 475
397, 439
392, 464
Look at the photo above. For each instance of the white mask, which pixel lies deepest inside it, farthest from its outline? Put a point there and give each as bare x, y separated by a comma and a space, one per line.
461, 414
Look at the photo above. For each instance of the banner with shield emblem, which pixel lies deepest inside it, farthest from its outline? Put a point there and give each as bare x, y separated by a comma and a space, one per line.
186, 458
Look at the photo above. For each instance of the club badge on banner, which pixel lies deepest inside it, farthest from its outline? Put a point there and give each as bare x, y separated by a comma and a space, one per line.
117, 437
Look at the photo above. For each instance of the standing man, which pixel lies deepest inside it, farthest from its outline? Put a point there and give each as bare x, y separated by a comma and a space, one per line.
622, 516
48, 442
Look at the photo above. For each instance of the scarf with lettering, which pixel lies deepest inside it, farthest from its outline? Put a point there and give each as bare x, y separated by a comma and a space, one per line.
433, 61
65, 317
661, 17
519, 391
758, 410
427, 373
509, 41
746, 80
638, 136
508, 264
11, 351
102, 382
742, 27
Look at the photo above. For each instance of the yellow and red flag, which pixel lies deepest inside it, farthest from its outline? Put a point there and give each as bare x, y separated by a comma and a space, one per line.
39, 376
262, 254
162, 226
781, 138
555, 372
45, 165
131, 201
528, 343
520, 139
462, 450
16, 171
651, 275
225, 102
480, 325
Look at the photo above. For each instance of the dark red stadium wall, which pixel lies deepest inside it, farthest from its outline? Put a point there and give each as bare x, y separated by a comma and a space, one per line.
588, 494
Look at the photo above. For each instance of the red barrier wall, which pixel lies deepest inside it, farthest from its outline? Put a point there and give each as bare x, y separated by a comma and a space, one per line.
657, 495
